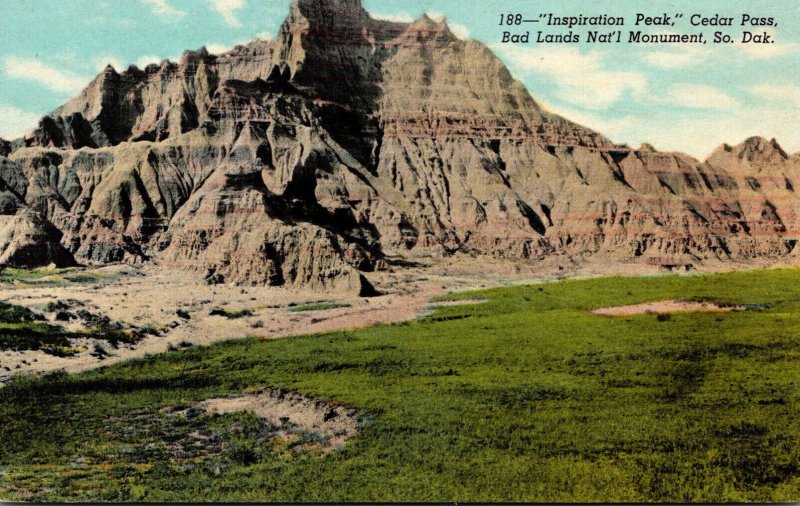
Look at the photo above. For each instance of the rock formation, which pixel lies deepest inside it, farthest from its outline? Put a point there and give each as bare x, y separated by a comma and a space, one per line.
28, 240
309, 159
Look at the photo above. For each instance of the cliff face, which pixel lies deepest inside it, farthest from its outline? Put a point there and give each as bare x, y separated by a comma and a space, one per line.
307, 159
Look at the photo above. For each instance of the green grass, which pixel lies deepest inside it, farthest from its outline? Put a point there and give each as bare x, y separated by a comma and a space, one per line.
10, 313
317, 306
526, 397
22, 329
31, 336
67, 275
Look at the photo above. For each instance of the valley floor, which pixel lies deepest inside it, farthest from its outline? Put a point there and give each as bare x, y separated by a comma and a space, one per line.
512, 394
175, 310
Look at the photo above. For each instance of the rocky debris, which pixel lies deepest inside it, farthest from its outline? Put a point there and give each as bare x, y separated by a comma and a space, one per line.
666, 307
28, 240
294, 413
306, 160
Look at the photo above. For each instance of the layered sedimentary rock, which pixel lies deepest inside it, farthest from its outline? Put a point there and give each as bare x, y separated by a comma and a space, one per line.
307, 159
28, 240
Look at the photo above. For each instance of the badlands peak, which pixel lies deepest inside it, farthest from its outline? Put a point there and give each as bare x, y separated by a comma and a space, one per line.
349, 144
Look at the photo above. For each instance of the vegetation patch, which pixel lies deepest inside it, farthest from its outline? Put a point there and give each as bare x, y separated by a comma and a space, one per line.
68, 275
231, 315
317, 306
22, 330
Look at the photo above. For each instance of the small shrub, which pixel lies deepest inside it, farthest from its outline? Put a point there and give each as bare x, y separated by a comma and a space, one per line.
243, 454
99, 352
65, 316
232, 315
61, 351
10, 313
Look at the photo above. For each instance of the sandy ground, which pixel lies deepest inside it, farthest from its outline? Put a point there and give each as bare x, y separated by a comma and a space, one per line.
665, 307
139, 298
336, 423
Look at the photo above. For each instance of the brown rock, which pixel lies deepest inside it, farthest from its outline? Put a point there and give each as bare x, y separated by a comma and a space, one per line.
28, 240
305, 160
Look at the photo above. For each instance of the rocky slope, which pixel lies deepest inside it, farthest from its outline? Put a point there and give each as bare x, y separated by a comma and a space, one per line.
310, 159
27, 239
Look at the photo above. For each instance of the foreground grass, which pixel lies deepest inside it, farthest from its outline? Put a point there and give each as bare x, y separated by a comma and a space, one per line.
526, 397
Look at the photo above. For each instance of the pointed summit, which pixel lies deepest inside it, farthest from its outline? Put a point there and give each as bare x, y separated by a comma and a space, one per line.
329, 12
428, 29
753, 149
760, 149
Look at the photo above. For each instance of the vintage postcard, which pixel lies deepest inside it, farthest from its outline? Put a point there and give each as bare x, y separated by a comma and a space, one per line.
380, 251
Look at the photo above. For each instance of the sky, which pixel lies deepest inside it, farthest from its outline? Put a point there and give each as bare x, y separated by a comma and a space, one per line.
677, 97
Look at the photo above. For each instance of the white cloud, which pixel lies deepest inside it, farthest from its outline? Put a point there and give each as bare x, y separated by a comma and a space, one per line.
30, 69
614, 128
228, 8
699, 136
146, 60
15, 122
401, 17
699, 131
699, 96
764, 51
787, 94
218, 48
459, 30
164, 9
581, 78
102, 62
675, 59
696, 132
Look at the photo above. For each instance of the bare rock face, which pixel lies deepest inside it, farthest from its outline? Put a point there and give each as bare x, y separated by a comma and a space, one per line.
304, 161
28, 240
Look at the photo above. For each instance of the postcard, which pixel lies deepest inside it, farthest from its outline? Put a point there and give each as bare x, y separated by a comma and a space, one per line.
382, 251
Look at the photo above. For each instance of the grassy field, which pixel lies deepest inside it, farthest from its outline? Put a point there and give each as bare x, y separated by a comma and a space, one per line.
526, 397
67, 275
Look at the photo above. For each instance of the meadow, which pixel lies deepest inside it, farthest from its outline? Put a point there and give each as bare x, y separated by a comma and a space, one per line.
524, 397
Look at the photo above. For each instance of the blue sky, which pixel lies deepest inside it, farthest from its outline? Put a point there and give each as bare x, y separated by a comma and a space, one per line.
688, 98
